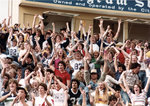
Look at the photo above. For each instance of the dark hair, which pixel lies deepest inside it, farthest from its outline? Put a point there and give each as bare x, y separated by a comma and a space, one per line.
81, 67
58, 35
63, 63
135, 65
25, 91
7, 75
81, 45
75, 80
48, 33
6, 85
135, 51
139, 87
19, 68
112, 97
49, 70
122, 66
63, 29
44, 86
30, 56
29, 68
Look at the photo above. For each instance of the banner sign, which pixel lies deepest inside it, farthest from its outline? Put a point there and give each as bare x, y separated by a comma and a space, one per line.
139, 6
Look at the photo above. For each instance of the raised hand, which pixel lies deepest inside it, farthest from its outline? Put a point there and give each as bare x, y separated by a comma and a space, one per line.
35, 16
119, 21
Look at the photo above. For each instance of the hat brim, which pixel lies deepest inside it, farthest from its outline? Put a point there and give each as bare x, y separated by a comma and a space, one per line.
93, 73
21, 88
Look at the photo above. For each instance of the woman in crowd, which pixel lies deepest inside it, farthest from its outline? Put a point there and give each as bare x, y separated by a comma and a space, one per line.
138, 97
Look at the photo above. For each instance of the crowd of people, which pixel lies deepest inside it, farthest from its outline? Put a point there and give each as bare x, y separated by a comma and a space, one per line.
47, 68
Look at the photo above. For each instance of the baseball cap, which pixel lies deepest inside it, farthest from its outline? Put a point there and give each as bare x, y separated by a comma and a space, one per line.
93, 71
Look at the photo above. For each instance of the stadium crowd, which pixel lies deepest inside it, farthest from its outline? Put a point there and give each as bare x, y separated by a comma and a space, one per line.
67, 68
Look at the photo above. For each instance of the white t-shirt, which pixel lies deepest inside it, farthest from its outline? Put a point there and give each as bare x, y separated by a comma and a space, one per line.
13, 51
58, 97
41, 101
75, 64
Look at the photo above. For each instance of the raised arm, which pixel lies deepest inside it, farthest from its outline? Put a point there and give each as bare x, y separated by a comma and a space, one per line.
83, 30
101, 50
101, 27
9, 18
72, 38
4, 23
86, 72
147, 85
123, 51
41, 75
33, 55
115, 62
51, 63
10, 35
60, 83
116, 50
25, 56
50, 82
74, 46
68, 29
53, 25
118, 30
41, 24
105, 33
110, 88
37, 43
125, 84
33, 24
141, 55
79, 32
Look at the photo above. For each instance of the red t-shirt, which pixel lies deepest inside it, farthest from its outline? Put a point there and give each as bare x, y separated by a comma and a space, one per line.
65, 76
121, 58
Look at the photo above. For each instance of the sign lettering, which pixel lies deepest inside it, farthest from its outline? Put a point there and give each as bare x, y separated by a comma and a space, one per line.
139, 6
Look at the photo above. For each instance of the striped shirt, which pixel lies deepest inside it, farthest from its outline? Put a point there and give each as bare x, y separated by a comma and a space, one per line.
138, 100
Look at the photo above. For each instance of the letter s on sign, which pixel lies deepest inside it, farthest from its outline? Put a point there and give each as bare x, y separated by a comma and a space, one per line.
139, 3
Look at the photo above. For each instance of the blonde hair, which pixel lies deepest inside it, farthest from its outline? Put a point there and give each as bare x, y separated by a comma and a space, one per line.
64, 53
104, 96
78, 76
